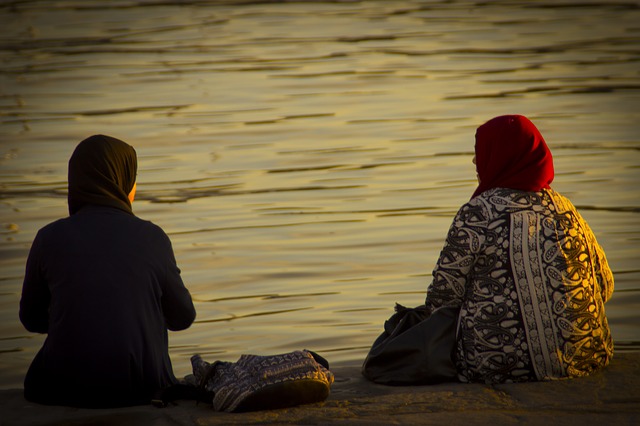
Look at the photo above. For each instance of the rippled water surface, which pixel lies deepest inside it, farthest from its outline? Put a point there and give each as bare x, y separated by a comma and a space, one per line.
306, 158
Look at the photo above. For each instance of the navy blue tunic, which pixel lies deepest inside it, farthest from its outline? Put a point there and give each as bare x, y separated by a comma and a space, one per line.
104, 285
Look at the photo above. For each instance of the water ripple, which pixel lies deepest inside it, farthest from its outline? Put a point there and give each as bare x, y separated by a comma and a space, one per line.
233, 317
307, 157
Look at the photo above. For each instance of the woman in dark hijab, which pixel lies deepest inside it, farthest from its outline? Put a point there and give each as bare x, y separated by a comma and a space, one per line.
524, 267
102, 171
105, 288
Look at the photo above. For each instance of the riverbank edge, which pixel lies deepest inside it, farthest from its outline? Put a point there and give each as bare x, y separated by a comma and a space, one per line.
611, 395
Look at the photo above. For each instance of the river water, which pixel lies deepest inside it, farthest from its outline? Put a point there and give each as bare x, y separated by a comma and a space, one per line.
306, 158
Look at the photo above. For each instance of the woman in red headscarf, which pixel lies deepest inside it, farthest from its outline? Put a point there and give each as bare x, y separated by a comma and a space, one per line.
524, 267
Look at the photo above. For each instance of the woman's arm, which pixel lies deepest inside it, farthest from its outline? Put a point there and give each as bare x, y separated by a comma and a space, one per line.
177, 304
601, 269
603, 274
461, 248
36, 297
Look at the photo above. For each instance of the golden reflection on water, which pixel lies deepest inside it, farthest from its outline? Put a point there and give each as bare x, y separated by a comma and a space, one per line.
307, 158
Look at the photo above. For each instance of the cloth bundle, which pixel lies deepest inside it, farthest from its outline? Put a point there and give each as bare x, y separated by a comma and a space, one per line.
264, 382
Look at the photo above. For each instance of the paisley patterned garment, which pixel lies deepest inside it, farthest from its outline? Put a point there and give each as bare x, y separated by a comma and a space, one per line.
531, 281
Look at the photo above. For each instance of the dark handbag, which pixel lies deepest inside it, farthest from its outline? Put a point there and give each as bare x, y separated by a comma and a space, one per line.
416, 347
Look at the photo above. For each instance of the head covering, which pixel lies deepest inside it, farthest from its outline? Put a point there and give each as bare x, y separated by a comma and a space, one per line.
511, 153
102, 171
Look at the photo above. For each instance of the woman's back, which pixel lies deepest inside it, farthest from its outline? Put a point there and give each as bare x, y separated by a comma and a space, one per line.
104, 286
532, 280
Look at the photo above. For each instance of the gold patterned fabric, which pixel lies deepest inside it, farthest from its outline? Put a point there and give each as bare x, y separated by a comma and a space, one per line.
532, 282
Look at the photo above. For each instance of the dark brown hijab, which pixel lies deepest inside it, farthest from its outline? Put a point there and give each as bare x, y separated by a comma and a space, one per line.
102, 171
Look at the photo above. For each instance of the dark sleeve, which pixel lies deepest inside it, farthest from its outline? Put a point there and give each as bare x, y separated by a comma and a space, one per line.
36, 297
177, 306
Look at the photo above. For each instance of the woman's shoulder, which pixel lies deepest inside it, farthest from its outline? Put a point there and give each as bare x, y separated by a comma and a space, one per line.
505, 201
560, 202
517, 197
58, 225
105, 219
148, 227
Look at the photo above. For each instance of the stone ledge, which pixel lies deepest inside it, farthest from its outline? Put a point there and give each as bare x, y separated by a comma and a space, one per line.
610, 397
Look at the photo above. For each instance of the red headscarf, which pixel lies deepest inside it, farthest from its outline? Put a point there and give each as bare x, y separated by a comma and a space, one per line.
511, 153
